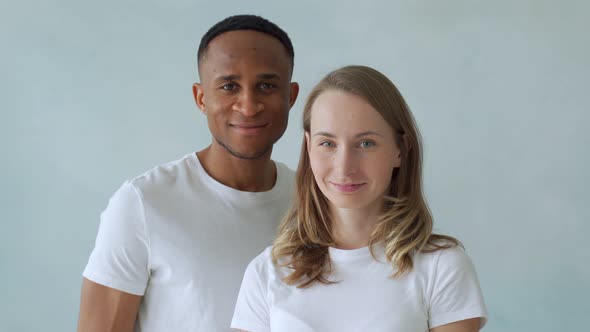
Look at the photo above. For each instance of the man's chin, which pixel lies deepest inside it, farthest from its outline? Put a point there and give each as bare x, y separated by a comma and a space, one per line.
248, 154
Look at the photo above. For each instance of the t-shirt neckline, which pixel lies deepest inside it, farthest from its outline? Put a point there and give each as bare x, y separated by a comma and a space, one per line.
228, 192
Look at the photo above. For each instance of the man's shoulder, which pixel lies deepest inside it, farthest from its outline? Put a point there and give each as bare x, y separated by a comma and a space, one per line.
165, 174
284, 168
285, 174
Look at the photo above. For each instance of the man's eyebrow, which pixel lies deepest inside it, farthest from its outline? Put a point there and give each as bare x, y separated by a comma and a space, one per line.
230, 77
268, 76
364, 133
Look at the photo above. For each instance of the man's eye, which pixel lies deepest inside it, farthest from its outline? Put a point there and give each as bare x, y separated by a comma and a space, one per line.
367, 144
266, 86
229, 87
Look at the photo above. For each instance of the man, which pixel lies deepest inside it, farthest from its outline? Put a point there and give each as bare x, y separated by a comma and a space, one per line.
173, 243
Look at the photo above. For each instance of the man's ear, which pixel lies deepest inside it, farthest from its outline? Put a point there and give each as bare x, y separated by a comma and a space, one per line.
293, 93
199, 97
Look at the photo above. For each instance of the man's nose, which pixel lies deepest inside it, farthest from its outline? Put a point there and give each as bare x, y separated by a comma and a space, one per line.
248, 103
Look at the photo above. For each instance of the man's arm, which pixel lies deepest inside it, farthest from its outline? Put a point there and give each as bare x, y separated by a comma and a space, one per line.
105, 309
120, 259
468, 325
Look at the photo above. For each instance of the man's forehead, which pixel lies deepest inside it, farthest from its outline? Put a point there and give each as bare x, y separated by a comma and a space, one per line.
245, 39
231, 52
221, 76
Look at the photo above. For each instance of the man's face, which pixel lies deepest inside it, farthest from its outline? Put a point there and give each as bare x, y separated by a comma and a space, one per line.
246, 92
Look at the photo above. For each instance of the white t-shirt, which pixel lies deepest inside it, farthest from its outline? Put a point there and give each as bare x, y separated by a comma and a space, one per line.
441, 288
182, 240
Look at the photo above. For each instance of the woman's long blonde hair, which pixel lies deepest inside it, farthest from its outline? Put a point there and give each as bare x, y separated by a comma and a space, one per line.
405, 227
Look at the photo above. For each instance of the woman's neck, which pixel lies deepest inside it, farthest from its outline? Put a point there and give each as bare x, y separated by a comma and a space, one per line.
352, 228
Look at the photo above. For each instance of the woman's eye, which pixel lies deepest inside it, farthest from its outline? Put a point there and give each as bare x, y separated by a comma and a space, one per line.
327, 144
366, 144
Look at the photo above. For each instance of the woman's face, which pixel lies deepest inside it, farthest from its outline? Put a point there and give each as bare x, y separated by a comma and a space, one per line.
352, 151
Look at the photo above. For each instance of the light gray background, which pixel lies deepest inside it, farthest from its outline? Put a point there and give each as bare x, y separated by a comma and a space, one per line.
95, 92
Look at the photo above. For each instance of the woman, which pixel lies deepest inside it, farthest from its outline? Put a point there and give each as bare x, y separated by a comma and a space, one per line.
356, 251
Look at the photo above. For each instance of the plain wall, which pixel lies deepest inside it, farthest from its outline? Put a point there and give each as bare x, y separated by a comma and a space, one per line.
96, 92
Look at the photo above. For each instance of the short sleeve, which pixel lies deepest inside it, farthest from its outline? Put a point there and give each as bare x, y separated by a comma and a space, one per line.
120, 257
252, 308
456, 294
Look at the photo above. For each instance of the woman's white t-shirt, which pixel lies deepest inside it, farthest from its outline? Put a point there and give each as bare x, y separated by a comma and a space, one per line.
441, 288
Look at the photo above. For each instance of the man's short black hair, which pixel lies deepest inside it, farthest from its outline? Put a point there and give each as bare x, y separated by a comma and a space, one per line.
246, 22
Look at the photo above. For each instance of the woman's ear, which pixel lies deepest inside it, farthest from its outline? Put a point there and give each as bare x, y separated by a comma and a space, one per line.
307, 141
405, 144
399, 150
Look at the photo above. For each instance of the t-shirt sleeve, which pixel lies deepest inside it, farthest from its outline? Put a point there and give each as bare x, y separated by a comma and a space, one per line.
252, 308
456, 294
120, 257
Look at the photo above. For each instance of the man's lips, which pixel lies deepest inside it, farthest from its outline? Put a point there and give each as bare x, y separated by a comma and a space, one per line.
348, 187
248, 128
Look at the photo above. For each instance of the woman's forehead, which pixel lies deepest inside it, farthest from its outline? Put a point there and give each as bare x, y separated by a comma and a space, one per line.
339, 112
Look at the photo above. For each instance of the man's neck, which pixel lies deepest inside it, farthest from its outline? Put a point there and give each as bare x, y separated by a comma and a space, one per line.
253, 175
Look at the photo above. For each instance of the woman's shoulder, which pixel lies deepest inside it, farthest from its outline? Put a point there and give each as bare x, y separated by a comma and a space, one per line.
451, 286
262, 261
264, 269
445, 259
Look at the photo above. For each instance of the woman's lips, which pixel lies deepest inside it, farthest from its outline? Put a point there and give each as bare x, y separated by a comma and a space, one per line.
348, 187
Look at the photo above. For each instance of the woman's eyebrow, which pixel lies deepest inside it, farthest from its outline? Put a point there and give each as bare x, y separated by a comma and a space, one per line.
364, 133
368, 133
324, 133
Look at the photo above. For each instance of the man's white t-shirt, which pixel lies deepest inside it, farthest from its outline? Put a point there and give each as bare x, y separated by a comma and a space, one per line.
182, 240
441, 288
